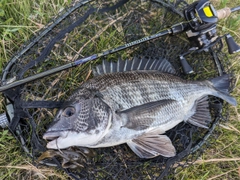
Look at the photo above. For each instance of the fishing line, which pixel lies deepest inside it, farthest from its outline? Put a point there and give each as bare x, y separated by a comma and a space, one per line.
58, 147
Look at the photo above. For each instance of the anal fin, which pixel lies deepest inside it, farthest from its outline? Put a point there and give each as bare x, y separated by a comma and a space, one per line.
152, 145
202, 117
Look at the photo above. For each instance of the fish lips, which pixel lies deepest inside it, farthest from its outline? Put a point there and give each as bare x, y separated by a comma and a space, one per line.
53, 136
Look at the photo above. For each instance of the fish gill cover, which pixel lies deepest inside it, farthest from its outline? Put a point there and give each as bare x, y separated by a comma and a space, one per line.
89, 27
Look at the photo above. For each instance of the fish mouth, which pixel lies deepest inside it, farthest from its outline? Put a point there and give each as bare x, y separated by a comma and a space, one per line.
53, 138
57, 139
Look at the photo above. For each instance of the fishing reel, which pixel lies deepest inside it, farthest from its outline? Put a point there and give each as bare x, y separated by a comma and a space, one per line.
202, 20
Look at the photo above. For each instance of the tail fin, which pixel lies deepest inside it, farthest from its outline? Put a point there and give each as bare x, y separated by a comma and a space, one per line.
221, 84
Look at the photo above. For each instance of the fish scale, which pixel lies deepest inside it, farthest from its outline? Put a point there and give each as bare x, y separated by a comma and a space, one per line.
136, 88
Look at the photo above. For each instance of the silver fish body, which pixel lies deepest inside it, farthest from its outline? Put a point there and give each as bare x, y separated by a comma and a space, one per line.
134, 107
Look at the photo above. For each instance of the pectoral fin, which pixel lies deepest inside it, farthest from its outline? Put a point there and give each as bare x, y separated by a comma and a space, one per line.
142, 116
152, 145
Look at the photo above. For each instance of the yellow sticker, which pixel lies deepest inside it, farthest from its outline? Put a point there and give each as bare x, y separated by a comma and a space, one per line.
208, 11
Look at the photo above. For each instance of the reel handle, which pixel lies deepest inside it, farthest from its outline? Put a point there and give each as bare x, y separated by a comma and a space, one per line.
187, 69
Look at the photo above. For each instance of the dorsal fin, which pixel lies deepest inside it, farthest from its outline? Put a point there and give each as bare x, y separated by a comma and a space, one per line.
137, 63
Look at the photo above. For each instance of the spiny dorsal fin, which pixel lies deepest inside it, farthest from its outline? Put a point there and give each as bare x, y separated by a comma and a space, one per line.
137, 63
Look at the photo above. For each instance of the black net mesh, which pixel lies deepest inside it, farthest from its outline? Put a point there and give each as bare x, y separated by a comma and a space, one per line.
89, 27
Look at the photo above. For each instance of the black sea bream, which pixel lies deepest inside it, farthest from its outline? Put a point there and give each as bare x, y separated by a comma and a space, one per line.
134, 102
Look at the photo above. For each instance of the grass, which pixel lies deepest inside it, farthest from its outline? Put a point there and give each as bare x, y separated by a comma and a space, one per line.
20, 19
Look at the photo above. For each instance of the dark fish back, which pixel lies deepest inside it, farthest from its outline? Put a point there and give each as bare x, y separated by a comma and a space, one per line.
124, 90
126, 84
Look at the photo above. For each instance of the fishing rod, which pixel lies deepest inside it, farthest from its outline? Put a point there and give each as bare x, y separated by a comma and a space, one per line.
173, 30
200, 27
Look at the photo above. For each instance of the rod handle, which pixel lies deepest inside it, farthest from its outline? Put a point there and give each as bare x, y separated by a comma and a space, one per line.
223, 13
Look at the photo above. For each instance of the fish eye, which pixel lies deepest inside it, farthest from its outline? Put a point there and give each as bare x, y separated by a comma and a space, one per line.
68, 112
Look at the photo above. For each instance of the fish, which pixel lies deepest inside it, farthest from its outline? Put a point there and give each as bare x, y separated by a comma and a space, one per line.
134, 102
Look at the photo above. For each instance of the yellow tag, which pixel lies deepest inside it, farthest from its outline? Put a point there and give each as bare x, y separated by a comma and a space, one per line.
208, 11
